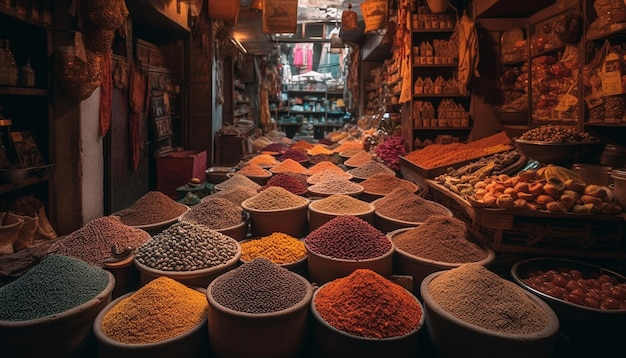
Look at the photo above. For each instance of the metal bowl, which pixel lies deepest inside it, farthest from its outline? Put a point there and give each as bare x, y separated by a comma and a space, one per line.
512, 117
13, 176
571, 314
564, 153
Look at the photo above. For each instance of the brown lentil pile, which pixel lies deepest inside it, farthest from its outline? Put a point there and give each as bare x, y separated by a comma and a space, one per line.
370, 168
258, 286
236, 194
153, 207
289, 166
317, 158
441, 238
322, 166
278, 247
383, 184
319, 149
161, 309
478, 296
264, 160
366, 304
237, 179
186, 246
358, 159
325, 175
341, 204
348, 238
336, 186
403, 204
216, 213
92, 243
274, 198
254, 170
294, 183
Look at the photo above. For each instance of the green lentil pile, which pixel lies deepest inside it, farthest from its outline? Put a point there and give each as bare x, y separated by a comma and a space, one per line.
258, 286
216, 213
57, 284
274, 198
341, 204
186, 246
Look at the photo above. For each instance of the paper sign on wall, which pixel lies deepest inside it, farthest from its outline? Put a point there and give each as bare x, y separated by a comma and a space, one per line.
280, 16
375, 14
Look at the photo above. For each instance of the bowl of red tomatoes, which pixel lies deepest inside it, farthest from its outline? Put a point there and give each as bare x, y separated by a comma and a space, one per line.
580, 293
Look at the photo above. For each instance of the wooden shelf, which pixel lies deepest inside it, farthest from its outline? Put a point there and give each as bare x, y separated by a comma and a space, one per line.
425, 31
5, 188
442, 128
23, 91
417, 65
442, 95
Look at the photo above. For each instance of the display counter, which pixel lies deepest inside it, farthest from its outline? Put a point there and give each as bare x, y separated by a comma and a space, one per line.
593, 236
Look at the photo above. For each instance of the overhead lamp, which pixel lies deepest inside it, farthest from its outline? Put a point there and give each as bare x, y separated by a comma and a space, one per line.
256, 5
336, 44
195, 6
238, 45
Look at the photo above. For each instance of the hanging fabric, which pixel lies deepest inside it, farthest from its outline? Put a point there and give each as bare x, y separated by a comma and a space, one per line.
403, 41
298, 57
106, 93
375, 14
137, 101
466, 39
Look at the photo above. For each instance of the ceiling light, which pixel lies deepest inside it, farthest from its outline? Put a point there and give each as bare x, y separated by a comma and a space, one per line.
238, 45
336, 44
256, 5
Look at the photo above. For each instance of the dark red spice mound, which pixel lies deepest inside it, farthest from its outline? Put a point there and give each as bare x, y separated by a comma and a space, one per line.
294, 183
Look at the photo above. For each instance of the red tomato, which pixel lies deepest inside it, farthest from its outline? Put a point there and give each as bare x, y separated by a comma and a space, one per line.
559, 281
571, 285
590, 302
605, 278
576, 275
577, 299
618, 293
609, 303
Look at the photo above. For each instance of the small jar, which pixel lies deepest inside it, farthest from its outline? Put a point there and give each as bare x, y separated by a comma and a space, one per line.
27, 74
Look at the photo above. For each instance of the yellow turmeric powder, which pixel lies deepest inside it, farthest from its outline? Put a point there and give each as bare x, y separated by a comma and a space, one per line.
161, 309
278, 247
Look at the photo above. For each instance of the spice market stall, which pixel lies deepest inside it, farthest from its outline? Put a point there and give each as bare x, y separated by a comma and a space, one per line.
521, 205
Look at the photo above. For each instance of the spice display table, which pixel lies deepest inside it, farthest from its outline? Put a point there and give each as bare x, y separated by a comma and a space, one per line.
593, 236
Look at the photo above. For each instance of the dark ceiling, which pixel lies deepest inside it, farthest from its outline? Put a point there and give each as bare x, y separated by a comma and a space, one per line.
249, 27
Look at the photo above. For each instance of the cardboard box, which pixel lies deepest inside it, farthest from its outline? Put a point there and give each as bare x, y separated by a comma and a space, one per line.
174, 169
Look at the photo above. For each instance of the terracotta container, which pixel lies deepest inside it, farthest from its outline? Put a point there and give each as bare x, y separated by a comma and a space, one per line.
278, 334
324, 268
67, 334
291, 221
192, 343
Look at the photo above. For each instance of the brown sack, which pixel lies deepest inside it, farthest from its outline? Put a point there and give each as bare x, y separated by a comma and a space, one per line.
9, 231
27, 231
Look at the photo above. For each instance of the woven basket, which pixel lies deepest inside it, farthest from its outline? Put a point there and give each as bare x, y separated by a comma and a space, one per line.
104, 14
76, 78
98, 41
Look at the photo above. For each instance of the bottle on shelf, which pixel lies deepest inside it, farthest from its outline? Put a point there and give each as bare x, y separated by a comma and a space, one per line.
11, 66
27, 74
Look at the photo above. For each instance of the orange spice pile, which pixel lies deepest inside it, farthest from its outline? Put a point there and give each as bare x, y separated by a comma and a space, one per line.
438, 155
